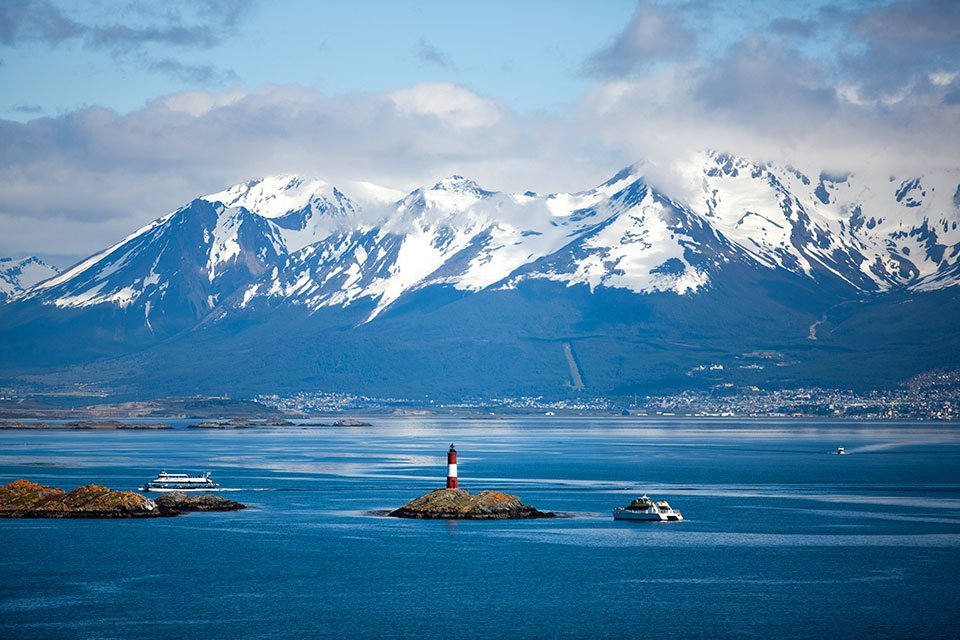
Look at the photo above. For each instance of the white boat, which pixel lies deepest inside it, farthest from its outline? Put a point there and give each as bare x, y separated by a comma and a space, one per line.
180, 482
644, 508
841, 452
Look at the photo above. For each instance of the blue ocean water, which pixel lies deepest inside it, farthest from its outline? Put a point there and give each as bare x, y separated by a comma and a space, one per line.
781, 538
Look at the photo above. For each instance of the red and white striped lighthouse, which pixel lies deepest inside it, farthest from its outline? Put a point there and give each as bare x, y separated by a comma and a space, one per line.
452, 468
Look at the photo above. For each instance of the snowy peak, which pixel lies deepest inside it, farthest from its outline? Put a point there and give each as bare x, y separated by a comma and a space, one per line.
17, 276
625, 176
307, 210
458, 184
635, 239
273, 196
276, 197
445, 199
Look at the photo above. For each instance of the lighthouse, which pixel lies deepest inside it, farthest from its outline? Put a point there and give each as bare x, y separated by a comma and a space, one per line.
452, 468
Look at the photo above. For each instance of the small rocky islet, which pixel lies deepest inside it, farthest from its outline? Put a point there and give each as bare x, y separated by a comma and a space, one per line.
241, 423
26, 499
459, 504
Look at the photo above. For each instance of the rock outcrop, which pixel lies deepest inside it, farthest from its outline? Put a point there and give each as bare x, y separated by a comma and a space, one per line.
458, 504
25, 499
179, 502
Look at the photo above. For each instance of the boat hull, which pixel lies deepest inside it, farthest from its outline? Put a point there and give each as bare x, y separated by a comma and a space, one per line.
643, 516
149, 489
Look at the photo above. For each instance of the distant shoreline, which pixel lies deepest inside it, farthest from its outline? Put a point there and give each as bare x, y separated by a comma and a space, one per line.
85, 425
122, 423
223, 409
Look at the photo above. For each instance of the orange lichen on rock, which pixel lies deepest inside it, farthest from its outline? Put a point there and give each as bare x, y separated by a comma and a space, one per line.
95, 498
23, 494
25, 499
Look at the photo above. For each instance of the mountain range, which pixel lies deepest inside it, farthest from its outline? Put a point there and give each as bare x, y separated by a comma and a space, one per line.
738, 273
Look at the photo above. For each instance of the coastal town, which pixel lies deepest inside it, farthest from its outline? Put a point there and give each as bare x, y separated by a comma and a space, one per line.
929, 396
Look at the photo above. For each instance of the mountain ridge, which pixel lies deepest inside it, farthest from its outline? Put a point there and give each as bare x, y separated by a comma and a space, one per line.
323, 243
641, 285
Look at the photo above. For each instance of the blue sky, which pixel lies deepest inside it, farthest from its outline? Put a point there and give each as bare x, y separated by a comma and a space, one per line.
114, 112
528, 54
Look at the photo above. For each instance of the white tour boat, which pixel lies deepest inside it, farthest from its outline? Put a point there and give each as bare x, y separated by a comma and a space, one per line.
180, 482
644, 508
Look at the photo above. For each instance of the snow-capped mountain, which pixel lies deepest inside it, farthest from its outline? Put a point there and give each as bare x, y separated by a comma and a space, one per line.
455, 290
459, 234
291, 241
185, 262
305, 211
874, 234
17, 276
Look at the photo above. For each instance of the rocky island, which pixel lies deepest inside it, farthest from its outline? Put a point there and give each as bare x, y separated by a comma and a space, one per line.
25, 499
241, 423
179, 502
346, 422
85, 425
459, 504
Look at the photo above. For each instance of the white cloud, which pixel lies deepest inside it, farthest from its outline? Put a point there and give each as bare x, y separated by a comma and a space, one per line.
103, 174
114, 172
943, 78
454, 105
198, 103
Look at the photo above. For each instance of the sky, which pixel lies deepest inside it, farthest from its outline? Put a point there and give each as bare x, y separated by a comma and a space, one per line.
113, 113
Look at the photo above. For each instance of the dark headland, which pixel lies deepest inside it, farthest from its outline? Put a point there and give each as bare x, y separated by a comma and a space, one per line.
459, 504
25, 499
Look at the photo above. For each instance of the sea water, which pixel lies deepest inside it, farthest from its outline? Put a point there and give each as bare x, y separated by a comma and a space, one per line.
782, 538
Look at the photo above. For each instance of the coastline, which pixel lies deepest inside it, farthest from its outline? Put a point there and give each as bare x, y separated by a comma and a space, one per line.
375, 420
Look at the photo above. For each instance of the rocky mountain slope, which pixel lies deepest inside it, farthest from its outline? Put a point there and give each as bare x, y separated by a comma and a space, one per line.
731, 252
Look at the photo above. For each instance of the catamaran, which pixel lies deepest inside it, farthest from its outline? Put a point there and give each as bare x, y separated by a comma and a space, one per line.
180, 482
644, 508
